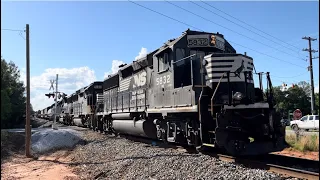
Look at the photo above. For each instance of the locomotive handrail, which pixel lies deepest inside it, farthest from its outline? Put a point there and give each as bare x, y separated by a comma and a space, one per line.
214, 93
184, 58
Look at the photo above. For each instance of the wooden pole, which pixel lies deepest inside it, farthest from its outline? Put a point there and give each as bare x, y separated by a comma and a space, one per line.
28, 128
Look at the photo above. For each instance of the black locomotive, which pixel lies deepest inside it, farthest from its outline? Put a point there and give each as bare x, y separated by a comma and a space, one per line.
194, 90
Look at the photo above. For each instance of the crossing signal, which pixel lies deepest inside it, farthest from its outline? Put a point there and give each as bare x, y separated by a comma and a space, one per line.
62, 95
49, 95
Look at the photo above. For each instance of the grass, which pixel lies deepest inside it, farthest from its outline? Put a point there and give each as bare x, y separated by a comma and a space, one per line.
304, 143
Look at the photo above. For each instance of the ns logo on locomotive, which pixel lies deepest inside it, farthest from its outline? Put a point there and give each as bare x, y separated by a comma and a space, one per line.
195, 90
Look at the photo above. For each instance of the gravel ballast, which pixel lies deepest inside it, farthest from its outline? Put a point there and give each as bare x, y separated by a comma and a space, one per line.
109, 157
49, 139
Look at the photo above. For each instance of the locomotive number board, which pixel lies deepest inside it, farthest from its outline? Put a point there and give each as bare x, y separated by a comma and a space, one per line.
206, 40
97, 87
198, 42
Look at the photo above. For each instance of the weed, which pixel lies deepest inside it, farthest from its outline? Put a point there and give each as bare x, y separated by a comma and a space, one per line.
303, 143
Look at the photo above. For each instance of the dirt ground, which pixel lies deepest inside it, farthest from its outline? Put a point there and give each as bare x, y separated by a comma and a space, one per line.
58, 165
53, 167
295, 153
14, 164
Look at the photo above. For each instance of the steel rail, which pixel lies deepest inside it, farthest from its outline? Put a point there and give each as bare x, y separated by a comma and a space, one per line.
258, 162
283, 170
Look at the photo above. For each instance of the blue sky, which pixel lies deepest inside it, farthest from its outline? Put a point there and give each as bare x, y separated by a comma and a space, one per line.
87, 36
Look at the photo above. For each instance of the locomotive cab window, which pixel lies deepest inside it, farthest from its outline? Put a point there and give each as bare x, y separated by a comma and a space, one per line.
182, 69
163, 62
180, 54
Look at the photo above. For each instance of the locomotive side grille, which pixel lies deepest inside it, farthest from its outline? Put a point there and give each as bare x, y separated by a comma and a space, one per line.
124, 84
99, 98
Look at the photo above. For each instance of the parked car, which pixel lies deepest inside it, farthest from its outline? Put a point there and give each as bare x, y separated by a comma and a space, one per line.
308, 122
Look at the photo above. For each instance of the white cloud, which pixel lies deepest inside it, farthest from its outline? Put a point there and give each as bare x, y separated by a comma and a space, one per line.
316, 88
114, 68
143, 52
69, 80
116, 63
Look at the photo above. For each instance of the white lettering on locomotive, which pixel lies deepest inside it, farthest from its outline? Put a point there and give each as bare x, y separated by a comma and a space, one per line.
140, 79
163, 80
139, 94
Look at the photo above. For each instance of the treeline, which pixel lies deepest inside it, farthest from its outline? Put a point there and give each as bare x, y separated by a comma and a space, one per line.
13, 100
297, 97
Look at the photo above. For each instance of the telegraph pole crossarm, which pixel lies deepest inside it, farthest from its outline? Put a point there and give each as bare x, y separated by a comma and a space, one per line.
310, 68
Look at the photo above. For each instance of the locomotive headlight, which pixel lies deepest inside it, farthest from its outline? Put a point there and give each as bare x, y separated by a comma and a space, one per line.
238, 96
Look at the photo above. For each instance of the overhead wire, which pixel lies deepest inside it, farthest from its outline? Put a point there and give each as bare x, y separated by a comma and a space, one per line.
249, 25
291, 76
17, 30
229, 28
240, 25
165, 15
203, 31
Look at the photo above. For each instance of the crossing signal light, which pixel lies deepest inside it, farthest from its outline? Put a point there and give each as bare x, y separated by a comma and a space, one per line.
62, 95
49, 95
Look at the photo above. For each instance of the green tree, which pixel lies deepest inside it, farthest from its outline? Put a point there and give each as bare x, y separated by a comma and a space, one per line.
294, 98
12, 95
305, 86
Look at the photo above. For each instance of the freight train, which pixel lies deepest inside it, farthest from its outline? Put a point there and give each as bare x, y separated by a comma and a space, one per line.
195, 90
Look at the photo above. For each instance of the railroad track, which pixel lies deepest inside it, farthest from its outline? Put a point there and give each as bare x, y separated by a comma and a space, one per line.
284, 165
274, 164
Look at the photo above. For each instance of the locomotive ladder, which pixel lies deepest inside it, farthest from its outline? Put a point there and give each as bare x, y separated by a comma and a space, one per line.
206, 107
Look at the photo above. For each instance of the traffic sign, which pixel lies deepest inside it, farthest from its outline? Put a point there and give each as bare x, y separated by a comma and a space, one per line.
297, 114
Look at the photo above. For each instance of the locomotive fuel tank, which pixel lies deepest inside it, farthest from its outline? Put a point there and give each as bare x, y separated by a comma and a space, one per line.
138, 128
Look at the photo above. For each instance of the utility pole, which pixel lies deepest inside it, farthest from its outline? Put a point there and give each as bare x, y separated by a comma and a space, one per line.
310, 50
28, 128
55, 105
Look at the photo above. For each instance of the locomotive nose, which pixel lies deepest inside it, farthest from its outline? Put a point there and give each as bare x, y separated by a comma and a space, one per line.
229, 76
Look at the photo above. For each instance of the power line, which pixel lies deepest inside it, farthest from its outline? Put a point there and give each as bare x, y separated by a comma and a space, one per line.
203, 31
239, 25
229, 28
299, 53
291, 76
17, 30
164, 15
249, 25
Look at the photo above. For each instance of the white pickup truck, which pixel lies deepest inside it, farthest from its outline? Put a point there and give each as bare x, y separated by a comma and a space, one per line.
308, 122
